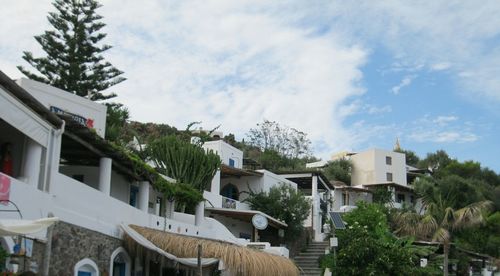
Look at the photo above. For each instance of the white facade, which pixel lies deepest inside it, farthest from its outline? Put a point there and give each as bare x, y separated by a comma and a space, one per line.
93, 197
345, 199
378, 166
92, 114
229, 155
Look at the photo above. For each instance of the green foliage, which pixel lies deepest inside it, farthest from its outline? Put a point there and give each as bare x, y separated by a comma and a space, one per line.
367, 247
435, 161
339, 170
182, 193
286, 141
284, 203
74, 60
116, 120
411, 157
485, 238
3, 257
186, 163
382, 195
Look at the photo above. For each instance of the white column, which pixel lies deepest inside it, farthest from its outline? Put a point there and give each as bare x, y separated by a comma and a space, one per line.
199, 213
144, 196
315, 219
215, 185
169, 209
32, 163
105, 175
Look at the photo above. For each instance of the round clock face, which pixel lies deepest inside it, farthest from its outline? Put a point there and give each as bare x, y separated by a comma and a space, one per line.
259, 221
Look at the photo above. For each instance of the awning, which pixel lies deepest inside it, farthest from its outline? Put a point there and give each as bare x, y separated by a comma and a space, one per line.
246, 215
239, 260
391, 184
228, 171
14, 227
138, 238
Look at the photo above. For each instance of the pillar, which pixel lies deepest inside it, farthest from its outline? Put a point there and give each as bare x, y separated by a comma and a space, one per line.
32, 163
316, 223
199, 213
215, 185
169, 209
105, 175
144, 196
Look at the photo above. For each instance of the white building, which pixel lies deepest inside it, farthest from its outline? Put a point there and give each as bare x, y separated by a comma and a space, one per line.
372, 169
62, 168
318, 189
229, 189
383, 168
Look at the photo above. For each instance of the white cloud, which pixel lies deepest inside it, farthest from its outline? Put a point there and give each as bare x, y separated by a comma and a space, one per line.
460, 36
443, 120
404, 82
237, 62
220, 62
371, 109
444, 137
442, 129
440, 66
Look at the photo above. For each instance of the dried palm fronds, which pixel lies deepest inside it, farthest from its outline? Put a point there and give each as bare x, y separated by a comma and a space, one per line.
238, 259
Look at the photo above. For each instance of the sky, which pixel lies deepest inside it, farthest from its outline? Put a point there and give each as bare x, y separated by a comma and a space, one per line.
353, 75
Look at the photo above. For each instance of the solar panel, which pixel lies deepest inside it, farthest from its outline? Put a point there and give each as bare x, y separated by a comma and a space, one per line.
338, 223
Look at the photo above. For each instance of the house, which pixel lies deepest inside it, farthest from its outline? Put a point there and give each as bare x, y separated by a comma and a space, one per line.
318, 189
377, 168
373, 169
232, 184
56, 163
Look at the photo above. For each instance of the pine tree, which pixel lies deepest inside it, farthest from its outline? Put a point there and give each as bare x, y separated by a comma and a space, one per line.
74, 60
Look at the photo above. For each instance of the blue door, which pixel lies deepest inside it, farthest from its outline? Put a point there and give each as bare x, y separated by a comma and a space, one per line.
83, 273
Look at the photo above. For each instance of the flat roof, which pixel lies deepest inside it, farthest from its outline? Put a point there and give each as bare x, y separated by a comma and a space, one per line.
409, 188
228, 171
304, 178
246, 215
27, 99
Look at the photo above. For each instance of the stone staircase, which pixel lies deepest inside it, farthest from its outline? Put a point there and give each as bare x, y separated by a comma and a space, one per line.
308, 261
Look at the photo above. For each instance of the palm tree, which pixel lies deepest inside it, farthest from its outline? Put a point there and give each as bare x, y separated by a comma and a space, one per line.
438, 220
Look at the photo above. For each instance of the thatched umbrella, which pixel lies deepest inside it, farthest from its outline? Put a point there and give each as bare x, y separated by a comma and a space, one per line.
238, 259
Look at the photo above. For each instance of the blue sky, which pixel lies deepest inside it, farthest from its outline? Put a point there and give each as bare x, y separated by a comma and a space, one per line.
352, 74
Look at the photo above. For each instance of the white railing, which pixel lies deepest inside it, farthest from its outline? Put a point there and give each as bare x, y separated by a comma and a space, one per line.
230, 203
77, 203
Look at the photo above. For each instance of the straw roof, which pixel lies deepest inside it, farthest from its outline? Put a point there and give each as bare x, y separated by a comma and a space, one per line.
240, 260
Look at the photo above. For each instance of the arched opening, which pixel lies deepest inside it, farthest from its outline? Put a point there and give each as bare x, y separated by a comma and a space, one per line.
120, 263
230, 191
86, 267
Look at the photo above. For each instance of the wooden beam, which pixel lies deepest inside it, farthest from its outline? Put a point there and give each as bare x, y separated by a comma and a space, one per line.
100, 154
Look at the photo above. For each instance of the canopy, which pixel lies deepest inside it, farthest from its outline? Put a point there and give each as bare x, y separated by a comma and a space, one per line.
192, 262
14, 227
238, 259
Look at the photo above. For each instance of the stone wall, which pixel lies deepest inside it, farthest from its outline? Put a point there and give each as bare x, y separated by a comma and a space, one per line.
71, 243
301, 242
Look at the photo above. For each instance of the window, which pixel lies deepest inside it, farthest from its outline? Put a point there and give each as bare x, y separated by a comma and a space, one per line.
231, 162
230, 191
400, 198
86, 267
345, 198
388, 160
120, 263
389, 176
412, 199
134, 190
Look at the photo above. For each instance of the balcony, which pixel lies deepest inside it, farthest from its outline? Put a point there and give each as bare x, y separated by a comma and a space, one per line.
230, 203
